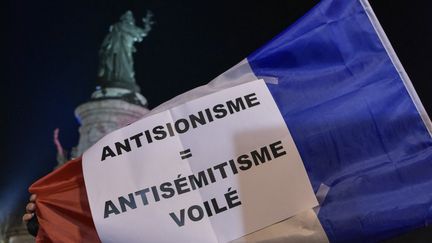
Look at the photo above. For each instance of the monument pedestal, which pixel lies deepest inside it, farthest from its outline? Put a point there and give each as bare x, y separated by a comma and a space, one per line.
100, 117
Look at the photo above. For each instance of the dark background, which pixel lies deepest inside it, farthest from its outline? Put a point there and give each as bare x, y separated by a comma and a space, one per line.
50, 54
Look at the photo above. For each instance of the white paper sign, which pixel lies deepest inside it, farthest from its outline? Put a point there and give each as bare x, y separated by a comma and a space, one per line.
211, 170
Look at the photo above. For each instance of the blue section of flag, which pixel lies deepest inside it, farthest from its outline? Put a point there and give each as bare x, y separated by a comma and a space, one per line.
353, 121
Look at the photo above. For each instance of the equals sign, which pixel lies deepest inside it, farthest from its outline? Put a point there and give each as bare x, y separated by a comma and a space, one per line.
185, 154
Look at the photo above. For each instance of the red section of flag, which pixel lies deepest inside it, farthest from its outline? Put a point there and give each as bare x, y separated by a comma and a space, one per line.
62, 206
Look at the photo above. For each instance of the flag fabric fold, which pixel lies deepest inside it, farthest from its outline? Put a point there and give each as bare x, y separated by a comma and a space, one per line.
62, 206
353, 114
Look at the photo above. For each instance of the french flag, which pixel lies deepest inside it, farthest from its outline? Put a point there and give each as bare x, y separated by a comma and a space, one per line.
360, 128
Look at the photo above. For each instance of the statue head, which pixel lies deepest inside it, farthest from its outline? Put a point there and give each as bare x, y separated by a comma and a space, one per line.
128, 18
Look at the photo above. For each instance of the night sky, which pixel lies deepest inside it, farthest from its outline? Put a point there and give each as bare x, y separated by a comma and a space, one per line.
50, 49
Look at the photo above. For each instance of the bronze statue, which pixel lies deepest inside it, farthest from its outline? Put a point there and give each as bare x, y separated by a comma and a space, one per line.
115, 55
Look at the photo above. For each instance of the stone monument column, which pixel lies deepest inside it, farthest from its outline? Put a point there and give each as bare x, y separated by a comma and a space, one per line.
100, 117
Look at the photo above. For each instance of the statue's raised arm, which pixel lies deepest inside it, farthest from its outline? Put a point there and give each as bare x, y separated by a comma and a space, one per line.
115, 54
148, 22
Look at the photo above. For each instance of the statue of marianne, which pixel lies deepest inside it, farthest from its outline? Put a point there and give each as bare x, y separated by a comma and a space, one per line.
115, 54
